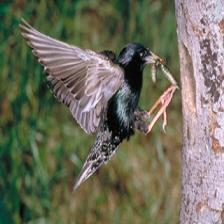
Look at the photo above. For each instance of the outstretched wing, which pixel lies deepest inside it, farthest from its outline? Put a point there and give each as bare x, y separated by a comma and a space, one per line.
82, 79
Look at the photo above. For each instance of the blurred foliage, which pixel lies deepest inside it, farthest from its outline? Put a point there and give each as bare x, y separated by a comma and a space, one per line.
42, 149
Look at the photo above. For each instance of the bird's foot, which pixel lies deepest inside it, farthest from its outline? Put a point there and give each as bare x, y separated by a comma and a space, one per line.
163, 102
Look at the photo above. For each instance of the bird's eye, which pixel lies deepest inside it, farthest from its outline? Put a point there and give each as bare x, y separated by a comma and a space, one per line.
141, 54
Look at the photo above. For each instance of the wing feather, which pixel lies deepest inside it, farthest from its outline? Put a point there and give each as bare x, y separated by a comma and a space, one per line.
81, 79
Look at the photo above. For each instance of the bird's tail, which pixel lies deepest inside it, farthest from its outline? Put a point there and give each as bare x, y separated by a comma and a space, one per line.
100, 153
95, 159
89, 167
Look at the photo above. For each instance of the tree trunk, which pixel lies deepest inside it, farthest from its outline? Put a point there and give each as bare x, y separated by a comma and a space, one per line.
200, 29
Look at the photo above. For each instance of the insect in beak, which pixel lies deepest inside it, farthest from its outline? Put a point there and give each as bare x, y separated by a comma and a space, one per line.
156, 62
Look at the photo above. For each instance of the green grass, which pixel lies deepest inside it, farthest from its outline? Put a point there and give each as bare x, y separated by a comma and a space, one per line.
42, 149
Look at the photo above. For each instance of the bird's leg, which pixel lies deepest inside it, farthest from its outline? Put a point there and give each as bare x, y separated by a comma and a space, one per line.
163, 101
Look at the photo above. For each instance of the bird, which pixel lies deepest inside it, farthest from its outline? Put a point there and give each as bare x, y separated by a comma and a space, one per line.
101, 89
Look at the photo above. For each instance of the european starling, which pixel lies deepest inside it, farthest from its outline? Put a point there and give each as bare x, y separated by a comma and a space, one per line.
101, 89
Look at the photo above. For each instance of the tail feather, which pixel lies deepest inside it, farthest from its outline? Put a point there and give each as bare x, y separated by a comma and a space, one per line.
85, 173
100, 153
89, 168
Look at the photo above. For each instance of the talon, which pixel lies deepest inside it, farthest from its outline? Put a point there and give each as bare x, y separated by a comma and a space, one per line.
163, 101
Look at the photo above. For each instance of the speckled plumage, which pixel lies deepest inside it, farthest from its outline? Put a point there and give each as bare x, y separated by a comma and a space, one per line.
101, 90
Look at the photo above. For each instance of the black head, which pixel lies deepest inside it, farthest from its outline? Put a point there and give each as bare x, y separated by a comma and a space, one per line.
135, 56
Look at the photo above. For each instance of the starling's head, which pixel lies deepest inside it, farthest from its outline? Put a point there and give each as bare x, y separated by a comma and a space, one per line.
136, 55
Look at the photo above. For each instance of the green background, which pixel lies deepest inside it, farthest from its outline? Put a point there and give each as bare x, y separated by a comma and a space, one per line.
42, 149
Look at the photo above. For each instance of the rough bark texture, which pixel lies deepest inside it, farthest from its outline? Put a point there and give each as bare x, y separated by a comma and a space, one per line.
200, 28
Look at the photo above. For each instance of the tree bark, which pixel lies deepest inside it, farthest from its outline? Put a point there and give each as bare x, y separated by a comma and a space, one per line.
200, 30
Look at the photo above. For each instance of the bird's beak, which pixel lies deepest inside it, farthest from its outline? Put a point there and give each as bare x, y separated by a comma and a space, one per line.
152, 58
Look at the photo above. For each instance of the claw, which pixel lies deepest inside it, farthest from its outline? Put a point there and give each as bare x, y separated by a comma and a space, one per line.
164, 101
